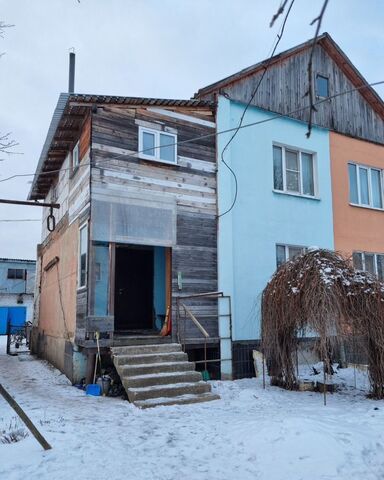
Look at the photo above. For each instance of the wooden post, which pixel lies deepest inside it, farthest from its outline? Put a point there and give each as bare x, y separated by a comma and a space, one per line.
16, 407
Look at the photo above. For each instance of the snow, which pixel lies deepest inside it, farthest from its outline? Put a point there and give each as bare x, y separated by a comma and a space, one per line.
250, 433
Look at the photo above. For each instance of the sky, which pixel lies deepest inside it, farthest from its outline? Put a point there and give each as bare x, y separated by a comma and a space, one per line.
148, 48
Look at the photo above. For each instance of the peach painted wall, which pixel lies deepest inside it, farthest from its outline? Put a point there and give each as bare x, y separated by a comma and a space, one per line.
64, 246
355, 228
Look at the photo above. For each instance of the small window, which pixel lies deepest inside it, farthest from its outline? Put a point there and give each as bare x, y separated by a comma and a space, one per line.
322, 86
288, 252
369, 262
365, 186
83, 250
157, 145
75, 156
293, 171
16, 274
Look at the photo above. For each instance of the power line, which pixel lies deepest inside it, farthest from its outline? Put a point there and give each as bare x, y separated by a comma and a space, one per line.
21, 220
279, 37
208, 135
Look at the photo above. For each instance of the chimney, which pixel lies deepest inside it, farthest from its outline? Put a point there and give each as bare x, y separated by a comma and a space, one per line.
71, 80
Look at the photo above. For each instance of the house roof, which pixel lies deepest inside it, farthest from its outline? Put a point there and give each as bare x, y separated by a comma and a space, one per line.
333, 50
68, 117
16, 260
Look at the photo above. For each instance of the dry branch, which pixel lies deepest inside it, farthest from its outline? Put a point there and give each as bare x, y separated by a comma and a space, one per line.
322, 292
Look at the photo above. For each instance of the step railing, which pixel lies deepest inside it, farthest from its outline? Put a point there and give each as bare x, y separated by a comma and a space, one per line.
185, 314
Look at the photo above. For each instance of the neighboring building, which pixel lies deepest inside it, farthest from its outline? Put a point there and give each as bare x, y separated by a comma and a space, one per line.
290, 187
358, 201
136, 226
17, 285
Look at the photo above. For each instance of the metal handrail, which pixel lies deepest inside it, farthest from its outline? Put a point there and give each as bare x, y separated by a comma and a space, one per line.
188, 313
194, 320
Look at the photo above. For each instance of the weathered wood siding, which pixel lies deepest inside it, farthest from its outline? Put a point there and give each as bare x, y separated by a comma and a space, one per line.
191, 184
284, 87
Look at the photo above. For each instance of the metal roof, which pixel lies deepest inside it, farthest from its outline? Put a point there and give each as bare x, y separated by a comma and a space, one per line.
17, 260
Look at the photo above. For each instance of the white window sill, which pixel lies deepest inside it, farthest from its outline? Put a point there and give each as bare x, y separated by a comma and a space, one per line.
157, 160
293, 194
81, 289
366, 206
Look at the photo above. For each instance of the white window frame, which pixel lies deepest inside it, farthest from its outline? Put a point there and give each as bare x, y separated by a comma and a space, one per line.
76, 155
369, 169
157, 149
79, 285
286, 247
299, 151
375, 255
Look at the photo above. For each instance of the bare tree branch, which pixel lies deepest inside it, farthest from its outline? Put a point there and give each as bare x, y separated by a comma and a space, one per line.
279, 12
6, 143
310, 91
3, 26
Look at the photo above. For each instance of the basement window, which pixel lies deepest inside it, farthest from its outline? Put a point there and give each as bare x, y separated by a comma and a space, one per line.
322, 86
157, 145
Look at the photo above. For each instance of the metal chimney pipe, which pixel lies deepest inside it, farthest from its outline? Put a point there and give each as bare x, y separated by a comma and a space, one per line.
71, 80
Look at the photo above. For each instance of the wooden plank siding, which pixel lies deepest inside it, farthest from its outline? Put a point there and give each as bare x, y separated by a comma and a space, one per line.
191, 184
284, 87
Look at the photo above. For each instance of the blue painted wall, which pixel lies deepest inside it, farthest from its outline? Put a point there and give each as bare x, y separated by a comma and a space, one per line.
261, 217
17, 285
159, 284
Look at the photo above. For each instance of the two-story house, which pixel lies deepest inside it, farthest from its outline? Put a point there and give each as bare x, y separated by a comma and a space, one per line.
287, 192
135, 232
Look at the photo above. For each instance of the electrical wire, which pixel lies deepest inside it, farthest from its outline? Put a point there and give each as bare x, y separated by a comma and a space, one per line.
279, 37
207, 135
21, 220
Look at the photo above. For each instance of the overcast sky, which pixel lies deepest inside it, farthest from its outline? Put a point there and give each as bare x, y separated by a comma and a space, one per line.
149, 48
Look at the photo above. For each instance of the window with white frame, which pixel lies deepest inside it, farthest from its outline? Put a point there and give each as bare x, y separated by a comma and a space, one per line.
287, 252
369, 262
294, 171
75, 155
365, 186
157, 145
83, 252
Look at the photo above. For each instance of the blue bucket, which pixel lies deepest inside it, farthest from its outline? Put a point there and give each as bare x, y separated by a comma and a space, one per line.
93, 389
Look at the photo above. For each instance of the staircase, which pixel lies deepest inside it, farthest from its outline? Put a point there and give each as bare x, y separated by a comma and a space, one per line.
156, 372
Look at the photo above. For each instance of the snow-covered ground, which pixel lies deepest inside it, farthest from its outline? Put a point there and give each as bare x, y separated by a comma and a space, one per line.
250, 433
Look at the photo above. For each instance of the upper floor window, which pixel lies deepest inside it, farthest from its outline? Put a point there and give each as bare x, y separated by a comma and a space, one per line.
369, 262
293, 171
287, 252
16, 274
365, 186
157, 145
83, 251
75, 155
322, 86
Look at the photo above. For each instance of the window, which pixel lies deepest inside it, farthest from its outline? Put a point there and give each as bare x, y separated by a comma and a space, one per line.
293, 171
369, 262
75, 156
83, 249
322, 86
157, 145
287, 252
365, 186
16, 274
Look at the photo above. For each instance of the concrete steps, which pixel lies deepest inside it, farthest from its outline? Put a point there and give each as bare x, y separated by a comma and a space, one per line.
159, 374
